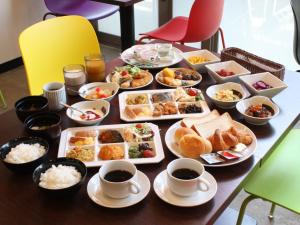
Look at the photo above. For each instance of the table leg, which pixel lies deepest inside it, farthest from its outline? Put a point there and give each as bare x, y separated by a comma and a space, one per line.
229, 216
127, 27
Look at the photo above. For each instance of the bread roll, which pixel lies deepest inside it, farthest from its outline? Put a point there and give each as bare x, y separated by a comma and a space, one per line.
192, 146
180, 132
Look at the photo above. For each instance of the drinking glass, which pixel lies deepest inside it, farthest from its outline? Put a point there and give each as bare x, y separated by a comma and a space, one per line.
95, 68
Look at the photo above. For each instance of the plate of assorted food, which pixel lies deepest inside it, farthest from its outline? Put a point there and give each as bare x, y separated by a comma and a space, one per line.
152, 56
130, 77
178, 77
215, 140
98, 90
139, 143
162, 104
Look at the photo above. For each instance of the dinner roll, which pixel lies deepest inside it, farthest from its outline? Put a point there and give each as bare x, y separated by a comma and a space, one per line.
192, 146
180, 132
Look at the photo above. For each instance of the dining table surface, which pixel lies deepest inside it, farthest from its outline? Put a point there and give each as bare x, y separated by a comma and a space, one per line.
22, 203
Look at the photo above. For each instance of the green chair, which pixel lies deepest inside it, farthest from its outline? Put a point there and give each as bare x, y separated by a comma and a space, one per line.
2, 101
278, 178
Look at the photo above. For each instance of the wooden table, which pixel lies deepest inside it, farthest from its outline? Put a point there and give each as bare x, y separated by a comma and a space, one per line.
126, 20
22, 203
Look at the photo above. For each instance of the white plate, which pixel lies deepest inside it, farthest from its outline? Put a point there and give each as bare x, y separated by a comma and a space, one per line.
108, 80
122, 105
96, 194
198, 198
126, 56
247, 153
171, 86
156, 144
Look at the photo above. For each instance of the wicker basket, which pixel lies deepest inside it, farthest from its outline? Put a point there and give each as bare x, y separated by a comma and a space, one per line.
252, 62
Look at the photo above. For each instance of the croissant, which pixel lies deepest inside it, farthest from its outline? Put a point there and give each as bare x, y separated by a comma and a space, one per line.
241, 135
217, 141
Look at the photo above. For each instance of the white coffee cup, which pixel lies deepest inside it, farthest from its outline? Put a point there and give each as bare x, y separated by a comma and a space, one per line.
119, 189
55, 92
186, 187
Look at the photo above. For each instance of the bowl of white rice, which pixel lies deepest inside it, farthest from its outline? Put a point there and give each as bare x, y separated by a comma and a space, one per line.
60, 176
24, 154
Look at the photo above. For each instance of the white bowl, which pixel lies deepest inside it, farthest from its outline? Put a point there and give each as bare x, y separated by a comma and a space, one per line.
203, 53
85, 105
229, 66
212, 90
113, 87
277, 84
243, 105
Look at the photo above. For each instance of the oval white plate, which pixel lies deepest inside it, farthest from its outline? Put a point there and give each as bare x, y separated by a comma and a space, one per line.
247, 153
96, 194
177, 58
108, 80
171, 86
198, 198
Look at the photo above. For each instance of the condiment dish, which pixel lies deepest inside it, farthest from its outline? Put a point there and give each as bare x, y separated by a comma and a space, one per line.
100, 107
276, 84
91, 88
238, 90
243, 105
28, 166
228, 66
210, 57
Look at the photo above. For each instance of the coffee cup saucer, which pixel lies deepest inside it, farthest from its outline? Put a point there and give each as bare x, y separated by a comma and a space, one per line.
96, 194
198, 198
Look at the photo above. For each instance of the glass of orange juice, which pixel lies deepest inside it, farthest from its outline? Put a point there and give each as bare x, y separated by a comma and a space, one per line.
95, 68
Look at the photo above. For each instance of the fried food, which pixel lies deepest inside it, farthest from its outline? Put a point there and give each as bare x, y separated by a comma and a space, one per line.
111, 152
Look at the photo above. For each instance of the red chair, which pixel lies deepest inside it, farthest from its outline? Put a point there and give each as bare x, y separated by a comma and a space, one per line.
203, 22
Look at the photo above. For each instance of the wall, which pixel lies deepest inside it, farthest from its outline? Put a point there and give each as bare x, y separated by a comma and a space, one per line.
15, 16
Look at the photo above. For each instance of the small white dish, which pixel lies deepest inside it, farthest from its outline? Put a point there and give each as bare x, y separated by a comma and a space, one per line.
230, 66
198, 198
212, 90
96, 194
100, 105
277, 84
87, 88
243, 105
211, 58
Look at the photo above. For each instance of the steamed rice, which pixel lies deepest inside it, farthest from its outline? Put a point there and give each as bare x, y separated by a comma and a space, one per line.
24, 153
58, 177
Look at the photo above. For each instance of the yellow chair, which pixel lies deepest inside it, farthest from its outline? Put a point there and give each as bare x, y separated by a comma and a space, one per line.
48, 46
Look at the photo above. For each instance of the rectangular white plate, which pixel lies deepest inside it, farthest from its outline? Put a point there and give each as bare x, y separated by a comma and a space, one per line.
156, 143
122, 105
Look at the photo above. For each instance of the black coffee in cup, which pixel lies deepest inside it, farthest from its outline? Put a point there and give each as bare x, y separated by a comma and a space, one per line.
118, 176
185, 174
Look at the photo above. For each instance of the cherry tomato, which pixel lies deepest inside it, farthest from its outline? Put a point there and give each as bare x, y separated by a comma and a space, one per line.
139, 126
124, 73
98, 89
192, 92
148, 154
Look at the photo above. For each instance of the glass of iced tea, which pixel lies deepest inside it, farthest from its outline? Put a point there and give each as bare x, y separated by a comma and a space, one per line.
95, 68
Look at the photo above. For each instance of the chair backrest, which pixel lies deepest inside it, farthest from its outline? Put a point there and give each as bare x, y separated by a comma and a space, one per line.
48, 46
204, 20
296, 11
57, 5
